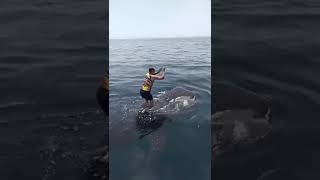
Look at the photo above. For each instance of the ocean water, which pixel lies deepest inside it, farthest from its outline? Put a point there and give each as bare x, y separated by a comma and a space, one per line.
174, 146
271, 48
52, 60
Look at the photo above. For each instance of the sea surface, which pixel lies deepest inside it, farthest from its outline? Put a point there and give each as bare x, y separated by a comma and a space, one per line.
52, 59
177, 146
272, 48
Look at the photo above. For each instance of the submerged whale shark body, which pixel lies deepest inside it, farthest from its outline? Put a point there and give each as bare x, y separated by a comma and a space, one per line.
174, 101
243, 129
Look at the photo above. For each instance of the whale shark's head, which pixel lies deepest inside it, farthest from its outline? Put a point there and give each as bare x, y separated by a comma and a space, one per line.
174, 101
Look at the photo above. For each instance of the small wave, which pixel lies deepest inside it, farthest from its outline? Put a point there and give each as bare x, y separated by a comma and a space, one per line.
161, 93
12, 104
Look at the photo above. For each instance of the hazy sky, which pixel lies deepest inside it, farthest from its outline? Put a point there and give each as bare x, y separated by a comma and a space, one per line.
159, 18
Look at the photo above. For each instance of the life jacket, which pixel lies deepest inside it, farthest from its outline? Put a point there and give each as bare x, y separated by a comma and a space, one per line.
147, 83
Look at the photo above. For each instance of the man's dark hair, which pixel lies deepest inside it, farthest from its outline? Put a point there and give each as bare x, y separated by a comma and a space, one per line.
151, 69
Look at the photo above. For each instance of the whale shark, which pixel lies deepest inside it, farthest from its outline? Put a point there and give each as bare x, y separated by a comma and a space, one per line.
243, 127
177, 100
240, 117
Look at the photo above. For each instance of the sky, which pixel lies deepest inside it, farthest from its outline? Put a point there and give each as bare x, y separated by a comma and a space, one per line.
129, 19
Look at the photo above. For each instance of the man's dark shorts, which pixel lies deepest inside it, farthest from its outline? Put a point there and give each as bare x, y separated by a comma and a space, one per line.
146, 95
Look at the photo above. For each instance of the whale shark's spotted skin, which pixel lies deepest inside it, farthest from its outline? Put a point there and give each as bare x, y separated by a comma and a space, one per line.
241, 131
174, 101
240, 126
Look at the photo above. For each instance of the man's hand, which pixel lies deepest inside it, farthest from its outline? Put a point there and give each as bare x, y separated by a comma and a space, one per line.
159, 77
158, 71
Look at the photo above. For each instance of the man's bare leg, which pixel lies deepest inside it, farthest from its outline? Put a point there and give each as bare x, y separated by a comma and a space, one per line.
145, 104
150, 104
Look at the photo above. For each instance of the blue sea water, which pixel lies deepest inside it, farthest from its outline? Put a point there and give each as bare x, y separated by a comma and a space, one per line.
179, 145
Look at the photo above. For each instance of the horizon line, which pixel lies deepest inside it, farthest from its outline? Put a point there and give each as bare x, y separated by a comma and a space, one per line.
168, 37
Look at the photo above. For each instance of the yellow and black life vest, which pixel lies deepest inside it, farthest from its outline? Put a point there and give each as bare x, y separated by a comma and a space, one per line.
148, 82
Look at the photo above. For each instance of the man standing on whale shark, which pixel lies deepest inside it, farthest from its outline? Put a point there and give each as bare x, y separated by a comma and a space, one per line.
146, 87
